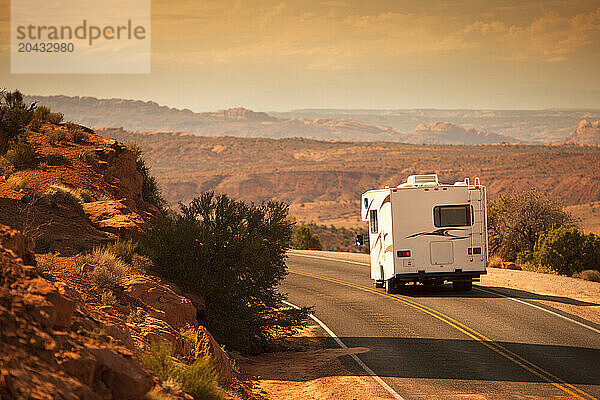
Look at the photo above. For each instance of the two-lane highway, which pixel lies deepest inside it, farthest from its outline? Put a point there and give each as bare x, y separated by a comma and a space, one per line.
439, 344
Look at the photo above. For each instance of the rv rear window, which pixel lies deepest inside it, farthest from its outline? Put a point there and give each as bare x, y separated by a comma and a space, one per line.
459, 215
373, 219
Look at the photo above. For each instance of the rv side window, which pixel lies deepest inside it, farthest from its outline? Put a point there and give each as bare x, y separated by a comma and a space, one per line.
459, 215
374, 227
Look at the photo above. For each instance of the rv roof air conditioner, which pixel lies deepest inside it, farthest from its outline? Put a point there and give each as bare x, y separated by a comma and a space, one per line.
421, 180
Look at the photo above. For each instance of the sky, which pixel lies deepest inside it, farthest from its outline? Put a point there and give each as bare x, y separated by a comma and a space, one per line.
282, 55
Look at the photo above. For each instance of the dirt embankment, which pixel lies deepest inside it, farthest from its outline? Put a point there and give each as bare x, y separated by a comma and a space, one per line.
61, 334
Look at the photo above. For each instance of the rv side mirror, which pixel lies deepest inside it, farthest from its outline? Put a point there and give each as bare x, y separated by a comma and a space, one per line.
359, 240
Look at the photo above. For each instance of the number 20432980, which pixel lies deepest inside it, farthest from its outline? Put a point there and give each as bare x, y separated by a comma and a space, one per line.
45, 47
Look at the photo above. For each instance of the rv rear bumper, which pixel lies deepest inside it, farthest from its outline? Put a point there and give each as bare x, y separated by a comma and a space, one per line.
455, 275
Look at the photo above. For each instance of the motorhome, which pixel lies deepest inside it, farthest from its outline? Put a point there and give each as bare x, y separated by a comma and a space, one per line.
428, 232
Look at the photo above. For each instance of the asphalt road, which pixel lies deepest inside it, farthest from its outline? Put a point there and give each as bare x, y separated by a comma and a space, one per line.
440, 344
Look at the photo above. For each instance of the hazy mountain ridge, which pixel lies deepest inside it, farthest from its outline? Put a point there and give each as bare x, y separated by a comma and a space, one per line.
150, 116
534, 126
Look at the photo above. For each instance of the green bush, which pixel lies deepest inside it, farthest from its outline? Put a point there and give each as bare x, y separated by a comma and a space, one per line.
107, 270
515, 222
305, 240
567, 250
15, 115
21, 155
233, 254
123, 248
198, 379
151, 192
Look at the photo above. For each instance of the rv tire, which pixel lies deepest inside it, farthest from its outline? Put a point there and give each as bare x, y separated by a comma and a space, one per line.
379, 283
467, 285
390, 286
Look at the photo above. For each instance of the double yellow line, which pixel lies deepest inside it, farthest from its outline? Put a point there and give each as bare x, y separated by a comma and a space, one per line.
473, 334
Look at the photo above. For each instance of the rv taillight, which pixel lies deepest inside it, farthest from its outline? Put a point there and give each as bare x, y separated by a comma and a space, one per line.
474, 250
404, 253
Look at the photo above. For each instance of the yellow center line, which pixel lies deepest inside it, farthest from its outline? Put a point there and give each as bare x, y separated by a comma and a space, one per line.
503, 351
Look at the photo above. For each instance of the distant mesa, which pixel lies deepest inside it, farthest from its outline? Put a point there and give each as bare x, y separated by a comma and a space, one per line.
587, 132
449, 133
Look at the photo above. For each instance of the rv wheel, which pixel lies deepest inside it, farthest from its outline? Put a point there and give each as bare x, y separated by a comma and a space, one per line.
390, 286
379, 284
468, 285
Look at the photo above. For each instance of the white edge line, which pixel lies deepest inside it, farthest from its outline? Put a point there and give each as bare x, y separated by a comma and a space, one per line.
354, 356
476, 288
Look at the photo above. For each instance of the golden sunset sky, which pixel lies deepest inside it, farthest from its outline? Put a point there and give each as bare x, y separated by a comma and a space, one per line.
280, 55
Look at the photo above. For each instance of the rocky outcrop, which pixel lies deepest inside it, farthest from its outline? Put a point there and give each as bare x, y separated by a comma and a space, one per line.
587, 132
49, 347
116, 217
160, 301
207, 347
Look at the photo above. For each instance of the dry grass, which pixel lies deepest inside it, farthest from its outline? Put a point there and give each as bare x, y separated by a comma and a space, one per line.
588, 275
107, 270
57, 194
17, 183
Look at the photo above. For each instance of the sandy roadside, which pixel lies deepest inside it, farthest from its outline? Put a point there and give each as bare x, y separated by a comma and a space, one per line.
570, 295
310, 371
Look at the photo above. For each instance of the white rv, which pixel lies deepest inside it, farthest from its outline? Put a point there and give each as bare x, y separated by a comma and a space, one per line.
428, 232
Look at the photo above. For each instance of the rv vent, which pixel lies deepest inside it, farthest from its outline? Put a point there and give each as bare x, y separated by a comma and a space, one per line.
422, 179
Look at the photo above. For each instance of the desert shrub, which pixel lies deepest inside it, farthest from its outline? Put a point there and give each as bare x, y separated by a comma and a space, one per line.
41, 113
123, 248
15, 115
108, 298
55, 118
233, 254
44, 244
35, 125
85, 195
21, 155
151, 192
494, 262
567, 250
305, 240
588, 275
17, 183
107, 270
57, 136
46, 263
198, 379
57, 195
516, 221
78, 135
